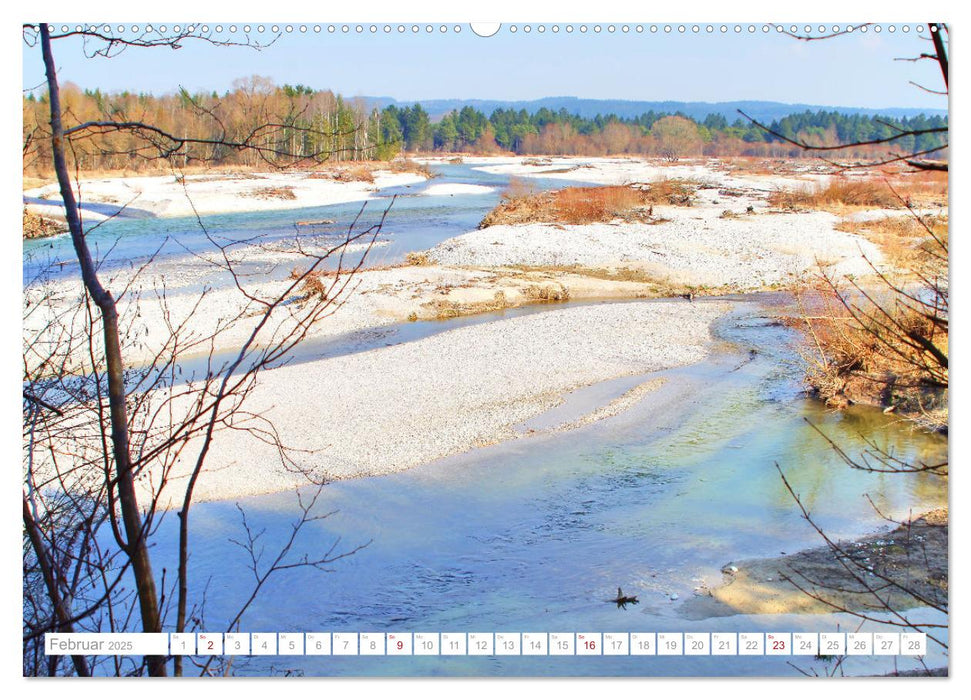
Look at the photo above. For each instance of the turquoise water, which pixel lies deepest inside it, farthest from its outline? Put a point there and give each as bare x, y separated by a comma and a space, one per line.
415, 222
536, 534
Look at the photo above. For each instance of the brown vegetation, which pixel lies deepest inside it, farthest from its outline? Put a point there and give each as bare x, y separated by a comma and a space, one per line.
441, 309
923, 188
676, 192
546, 292
902, 239
364, 171
37, 226
885, 347
354, 172
285, 192
407, 165
583, 205
587, 205
417, 258
839, 192
844, 192
312, 282
888, 361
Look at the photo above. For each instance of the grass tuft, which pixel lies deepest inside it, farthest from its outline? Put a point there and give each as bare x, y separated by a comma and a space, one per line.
843, 192
417, 259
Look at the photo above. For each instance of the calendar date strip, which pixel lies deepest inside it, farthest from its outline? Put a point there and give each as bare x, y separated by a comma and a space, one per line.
490, 644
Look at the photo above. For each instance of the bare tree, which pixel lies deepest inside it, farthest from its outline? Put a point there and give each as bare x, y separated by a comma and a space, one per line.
100, 431
676, 137
917, 159
892, 335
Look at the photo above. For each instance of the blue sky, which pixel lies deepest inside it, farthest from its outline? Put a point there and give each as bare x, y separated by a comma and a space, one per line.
856, 70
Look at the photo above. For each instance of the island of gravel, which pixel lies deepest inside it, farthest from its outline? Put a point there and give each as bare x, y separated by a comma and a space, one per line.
468, 386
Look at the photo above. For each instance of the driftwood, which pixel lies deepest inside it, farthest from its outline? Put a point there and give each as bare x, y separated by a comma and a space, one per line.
623, 600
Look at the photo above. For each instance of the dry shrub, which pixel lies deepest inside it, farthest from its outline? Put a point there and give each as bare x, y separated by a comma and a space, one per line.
285, 192
313, 286
584, 205
838, 193
442, 309
313, 282
886, 346
881, 349
417, 259
359, 173
838, 347
407, 165
37, 226
923, 189
672, 191
572, 205
902, 239
520, 209
548, 292
519, 188
349, 172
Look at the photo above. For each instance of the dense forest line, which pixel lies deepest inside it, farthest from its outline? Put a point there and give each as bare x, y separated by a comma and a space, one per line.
653, 133
297, 125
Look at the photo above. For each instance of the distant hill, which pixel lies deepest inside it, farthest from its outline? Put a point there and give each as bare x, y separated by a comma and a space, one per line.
760, 110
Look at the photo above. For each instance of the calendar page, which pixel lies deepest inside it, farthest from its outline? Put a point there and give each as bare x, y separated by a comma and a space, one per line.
433, 348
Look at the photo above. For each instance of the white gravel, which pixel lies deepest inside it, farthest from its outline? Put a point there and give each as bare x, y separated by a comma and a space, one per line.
696, 247
878, 214
166, 196
619, 171
389, 409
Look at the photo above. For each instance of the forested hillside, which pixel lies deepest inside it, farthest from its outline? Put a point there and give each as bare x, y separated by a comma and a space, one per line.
320, 125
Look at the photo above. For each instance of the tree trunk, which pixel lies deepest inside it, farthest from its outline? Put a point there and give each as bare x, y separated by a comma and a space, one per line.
61, 613
135, 548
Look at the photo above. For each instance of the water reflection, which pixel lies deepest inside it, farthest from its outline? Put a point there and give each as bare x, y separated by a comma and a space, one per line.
536, 534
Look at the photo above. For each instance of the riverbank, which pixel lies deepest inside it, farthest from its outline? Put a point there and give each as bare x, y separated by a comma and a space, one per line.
213, 193
446, 394
722, 233
901, 569
685, 250
465, 387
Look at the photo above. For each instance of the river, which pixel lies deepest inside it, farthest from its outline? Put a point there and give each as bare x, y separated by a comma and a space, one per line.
537, 533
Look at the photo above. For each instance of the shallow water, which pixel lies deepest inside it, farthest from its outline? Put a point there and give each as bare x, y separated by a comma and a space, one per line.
536, 534
415, 222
